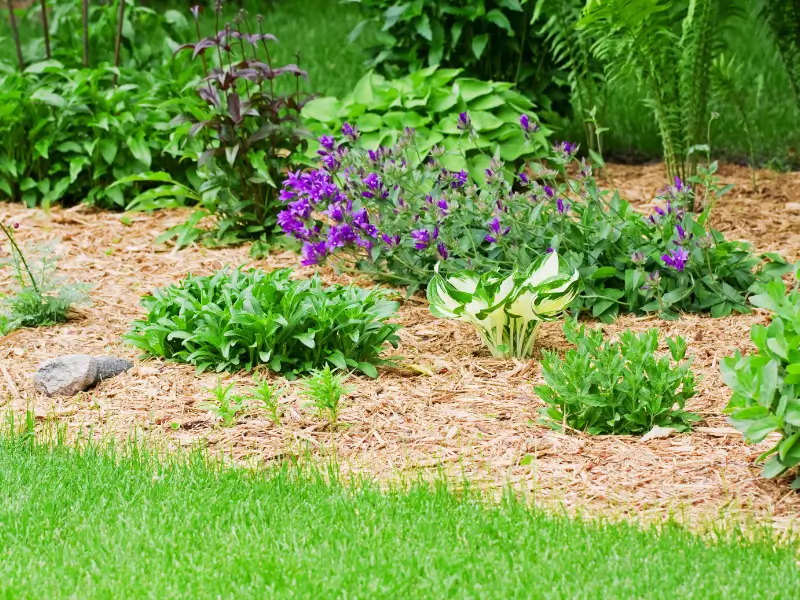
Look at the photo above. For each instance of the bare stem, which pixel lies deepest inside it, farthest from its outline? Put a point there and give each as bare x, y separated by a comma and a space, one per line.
85, 10
45, 28
118, 39
15, 33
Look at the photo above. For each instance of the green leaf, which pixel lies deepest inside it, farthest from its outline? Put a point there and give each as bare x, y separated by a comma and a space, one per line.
139, 149
499, 19
108, 150
46, 96
368, 369
325, 110
423, 27
479, 44
362, 92
604, 273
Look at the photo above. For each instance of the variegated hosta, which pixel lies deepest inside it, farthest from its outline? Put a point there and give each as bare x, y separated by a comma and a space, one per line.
506, 311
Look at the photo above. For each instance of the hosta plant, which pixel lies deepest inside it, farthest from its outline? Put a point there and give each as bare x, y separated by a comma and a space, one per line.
235, 320
431, 100
617, 387
506, 310
766, 385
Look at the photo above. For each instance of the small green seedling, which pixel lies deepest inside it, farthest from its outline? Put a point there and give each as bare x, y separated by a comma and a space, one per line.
269, 396
225, 405
324, 390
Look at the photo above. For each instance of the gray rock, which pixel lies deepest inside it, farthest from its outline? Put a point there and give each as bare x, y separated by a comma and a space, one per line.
65, 375
110, 366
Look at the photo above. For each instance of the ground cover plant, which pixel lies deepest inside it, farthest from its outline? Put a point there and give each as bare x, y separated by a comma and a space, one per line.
617, 386
506, 310
40, 296
430, 101
324, 390
281, 531
395, 218
235, 320
766, 385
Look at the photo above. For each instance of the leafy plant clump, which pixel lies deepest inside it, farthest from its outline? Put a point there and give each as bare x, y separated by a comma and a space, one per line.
430, 101
617, 387
236, 320
506, 311
766, 385
387, 214
41, 297
226, 404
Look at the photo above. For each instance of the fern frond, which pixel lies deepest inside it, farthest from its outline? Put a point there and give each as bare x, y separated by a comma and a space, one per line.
784, 19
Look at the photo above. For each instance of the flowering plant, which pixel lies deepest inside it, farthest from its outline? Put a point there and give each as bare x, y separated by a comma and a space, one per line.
506, 311
390, 214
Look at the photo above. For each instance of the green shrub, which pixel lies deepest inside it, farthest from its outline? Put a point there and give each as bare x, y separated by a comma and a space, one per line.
617, 387
430, 101
766, 385
236, 320
66, 135
492, 40
324, 391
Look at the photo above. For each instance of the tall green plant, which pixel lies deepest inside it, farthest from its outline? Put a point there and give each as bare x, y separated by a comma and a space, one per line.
669, 46
784, 18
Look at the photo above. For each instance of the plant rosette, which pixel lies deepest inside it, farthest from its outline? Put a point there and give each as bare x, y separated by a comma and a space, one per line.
506, 310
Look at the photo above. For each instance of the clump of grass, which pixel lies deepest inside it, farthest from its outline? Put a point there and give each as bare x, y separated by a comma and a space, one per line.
41, 297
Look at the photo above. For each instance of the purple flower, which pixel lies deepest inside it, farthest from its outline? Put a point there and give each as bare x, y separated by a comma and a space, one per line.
390, 240
683, 237
524, 178
195, 11
327, 142
350, 132
496, 231
459, 179
652, 280
548, 191
336, 212
423, 238
442, 204
464, 122
527, 126
442, 250
638, 258
550, 250
313, 253
676, 259
563, 207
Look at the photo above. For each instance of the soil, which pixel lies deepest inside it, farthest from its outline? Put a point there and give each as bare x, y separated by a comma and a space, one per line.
448, 408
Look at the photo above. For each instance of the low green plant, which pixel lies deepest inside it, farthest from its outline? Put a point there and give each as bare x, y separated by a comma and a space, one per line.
226, 405
430, 101
617, 386
766, 385
324, 391
784, 19
268, 396
41, 296
236, 320
506, 311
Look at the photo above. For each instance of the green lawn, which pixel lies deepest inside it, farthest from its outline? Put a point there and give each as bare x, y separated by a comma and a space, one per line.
83, 525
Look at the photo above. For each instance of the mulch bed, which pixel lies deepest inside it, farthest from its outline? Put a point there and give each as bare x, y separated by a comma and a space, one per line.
448, 407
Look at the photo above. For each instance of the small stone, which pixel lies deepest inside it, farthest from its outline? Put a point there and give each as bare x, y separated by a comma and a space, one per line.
110, 366
65, 375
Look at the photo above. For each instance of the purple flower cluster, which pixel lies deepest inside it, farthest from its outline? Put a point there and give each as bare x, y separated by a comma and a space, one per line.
496, 231
527, 125
676, 259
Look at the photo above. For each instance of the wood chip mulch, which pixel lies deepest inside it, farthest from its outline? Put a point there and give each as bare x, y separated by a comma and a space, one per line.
449, 407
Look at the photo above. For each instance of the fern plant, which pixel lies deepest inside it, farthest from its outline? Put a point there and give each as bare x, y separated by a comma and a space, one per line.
669, 46
571, 50
784, 19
